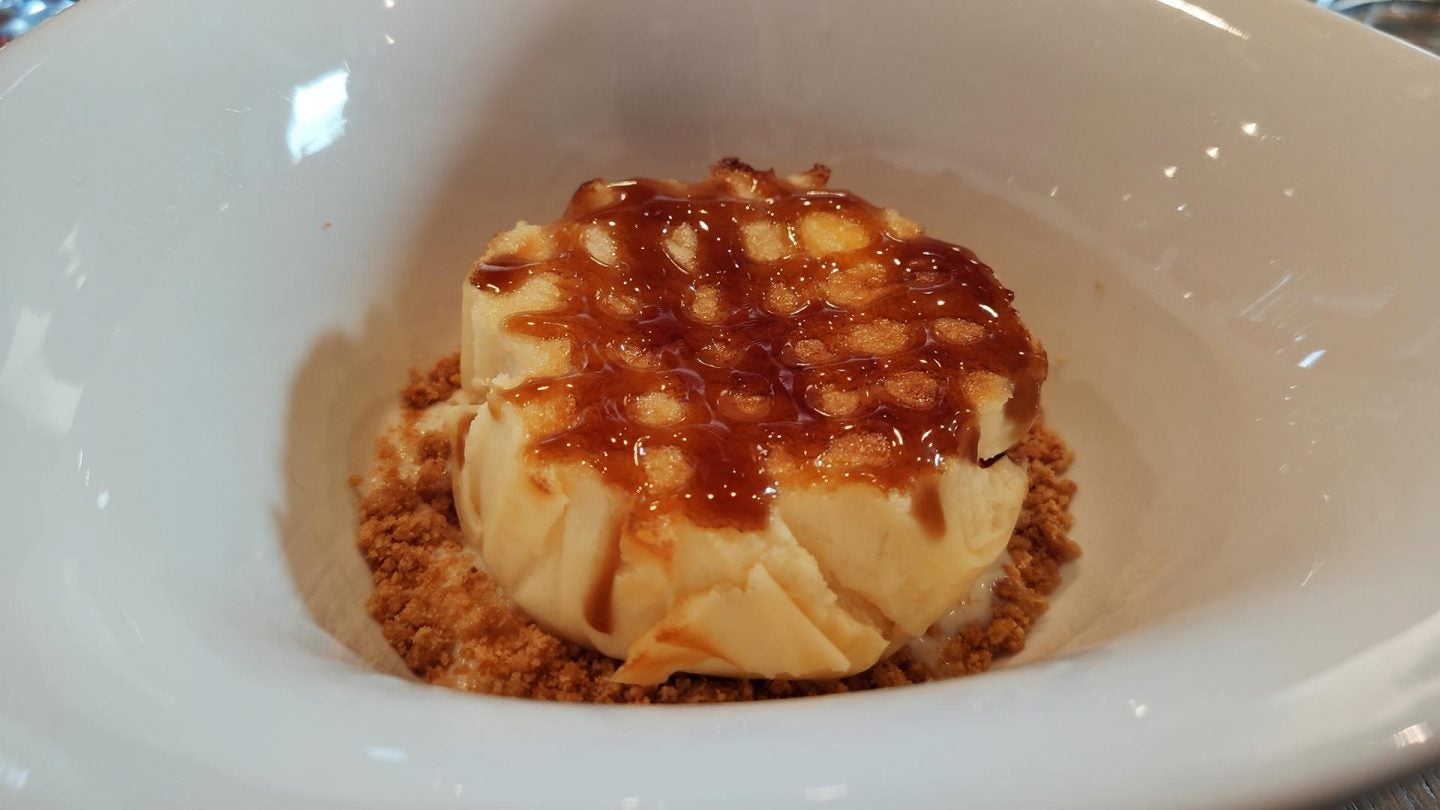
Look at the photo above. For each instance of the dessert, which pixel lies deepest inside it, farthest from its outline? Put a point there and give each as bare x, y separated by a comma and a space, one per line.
749, 427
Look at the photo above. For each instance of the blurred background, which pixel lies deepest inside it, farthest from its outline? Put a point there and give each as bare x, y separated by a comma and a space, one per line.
1415, 21
19, 16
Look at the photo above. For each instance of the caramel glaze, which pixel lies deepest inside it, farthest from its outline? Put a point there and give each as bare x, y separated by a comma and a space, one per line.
462, 429
926, 506
749, 377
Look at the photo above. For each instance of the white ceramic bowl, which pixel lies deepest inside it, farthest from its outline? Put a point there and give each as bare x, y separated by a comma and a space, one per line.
226, 230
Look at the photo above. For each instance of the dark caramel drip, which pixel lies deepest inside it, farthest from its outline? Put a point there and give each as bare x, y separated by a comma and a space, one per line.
739, 454
462, 430
926, 506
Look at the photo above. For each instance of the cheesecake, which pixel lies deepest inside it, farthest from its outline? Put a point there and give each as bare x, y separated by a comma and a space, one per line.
751, 426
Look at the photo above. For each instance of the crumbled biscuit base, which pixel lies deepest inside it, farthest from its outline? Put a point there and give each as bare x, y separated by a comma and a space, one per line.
435, 385
453, 626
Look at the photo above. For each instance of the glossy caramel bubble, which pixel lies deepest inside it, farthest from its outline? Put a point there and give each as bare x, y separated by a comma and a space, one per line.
748, 332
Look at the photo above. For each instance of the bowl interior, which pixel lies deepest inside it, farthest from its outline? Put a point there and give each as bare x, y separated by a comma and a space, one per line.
205, 315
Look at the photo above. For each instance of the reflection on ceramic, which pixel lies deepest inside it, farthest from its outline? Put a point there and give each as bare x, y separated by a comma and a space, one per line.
239, 229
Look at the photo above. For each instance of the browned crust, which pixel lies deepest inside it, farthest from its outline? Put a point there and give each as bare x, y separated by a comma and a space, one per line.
454, 627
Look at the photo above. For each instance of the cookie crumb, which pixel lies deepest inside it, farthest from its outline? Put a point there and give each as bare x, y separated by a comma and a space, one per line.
435, 385
454, 627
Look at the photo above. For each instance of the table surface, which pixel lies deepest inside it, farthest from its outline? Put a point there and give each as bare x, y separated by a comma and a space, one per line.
1417, 21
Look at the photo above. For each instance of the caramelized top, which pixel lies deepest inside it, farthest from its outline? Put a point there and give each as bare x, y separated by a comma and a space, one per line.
744, 331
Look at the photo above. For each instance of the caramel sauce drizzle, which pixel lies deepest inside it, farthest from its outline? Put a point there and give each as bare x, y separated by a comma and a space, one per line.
809, 366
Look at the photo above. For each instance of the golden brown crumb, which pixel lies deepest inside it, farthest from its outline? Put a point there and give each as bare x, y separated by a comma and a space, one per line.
442, 380
454, 627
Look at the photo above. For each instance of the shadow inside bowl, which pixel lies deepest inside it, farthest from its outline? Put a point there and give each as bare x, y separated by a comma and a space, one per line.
660, 124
